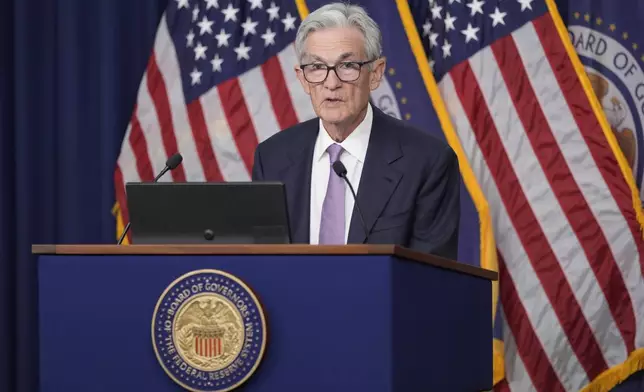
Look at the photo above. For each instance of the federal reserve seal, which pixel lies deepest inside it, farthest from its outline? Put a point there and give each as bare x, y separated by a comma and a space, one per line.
209, 331
617, 79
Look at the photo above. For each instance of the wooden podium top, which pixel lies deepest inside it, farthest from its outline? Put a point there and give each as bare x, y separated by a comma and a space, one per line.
293, 249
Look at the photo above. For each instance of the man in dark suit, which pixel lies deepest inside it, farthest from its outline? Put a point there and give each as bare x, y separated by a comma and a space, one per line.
407, 181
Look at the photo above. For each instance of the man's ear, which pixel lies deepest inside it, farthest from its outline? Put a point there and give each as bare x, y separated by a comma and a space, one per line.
377, 72
300, 76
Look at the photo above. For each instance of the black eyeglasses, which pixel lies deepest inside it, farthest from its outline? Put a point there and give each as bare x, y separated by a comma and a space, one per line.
346, 71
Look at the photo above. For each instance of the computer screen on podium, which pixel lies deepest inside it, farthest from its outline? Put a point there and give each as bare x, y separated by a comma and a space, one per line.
208, 213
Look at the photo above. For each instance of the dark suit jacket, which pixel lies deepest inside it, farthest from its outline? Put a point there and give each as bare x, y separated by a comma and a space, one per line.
408, 191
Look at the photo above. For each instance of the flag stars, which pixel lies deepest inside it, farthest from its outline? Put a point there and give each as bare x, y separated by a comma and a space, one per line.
599, 21
268, 37
447, 49
182, 4
289, 22
470, 33
249, 27
476, 6
255, 4
190, 38
200, 51
195, 13
576, 15
222, 38
635, 46
612, 27
230, 13
427, 27
436, 11
212, 4
586, 17
273, 12
498, 17
525, 4
433, 40
216, 63
449, 22
205, 26
243, 52
195, 76
625, 35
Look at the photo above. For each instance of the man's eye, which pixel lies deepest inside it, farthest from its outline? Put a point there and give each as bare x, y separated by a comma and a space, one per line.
349, 65
318, 66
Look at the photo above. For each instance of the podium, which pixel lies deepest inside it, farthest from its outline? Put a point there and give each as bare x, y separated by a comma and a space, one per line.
373, 318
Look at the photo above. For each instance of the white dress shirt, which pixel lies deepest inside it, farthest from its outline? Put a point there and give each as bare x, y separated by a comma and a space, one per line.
353, 156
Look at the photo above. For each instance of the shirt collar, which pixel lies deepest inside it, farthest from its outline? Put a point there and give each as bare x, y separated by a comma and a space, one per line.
355, 144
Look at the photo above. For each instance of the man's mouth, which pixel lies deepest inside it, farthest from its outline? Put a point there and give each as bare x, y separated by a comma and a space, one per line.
333, 100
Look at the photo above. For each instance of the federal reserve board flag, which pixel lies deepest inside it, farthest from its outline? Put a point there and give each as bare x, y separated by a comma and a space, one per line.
608, 36
565, 209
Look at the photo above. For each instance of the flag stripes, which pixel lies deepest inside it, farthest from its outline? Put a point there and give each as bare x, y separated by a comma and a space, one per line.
137, 140
623, 245
239, 120
593, 134
542, 374
223, 142
519, 321
202, 140
300, 101
168, 65
145, 113
535, 243
566, 284
159, 94
258, 100
583, 225
278, 92
216, 135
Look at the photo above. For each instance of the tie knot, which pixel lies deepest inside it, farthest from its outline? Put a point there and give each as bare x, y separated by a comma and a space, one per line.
334, 152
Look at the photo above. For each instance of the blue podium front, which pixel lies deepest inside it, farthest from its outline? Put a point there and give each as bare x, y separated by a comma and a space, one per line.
353, 318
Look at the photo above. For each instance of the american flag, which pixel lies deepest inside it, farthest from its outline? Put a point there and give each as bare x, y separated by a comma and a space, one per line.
220, 80
565, 212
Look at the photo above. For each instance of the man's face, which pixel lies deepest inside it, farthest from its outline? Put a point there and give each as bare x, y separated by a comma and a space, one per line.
336, 101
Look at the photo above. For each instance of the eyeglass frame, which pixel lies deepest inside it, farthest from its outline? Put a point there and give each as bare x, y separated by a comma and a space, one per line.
329, 68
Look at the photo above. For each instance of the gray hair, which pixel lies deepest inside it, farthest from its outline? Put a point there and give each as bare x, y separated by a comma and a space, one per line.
341, 15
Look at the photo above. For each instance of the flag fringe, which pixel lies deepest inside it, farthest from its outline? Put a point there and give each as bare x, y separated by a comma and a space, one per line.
614, 376
599, 113
120, 225
498, 364
116, 208
302, 8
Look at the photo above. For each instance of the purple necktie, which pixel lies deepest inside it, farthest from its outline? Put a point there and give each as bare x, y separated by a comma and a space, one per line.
332, 222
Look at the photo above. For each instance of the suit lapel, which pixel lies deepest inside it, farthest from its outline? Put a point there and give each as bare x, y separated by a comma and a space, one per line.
297, 177
379, 179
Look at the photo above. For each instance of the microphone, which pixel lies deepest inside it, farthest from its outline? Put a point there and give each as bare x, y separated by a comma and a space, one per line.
341, 171
170, 164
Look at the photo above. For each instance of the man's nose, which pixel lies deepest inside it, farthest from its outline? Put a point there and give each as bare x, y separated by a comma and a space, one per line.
332, 81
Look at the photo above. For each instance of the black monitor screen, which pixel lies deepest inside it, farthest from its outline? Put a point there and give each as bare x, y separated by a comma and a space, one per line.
208, 213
